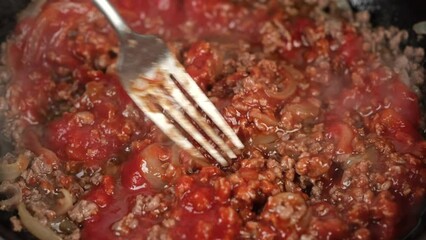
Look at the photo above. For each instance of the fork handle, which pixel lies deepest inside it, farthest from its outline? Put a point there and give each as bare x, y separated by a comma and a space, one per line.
113, 17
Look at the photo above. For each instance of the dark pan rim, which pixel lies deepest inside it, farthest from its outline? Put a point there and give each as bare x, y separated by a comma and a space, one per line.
400, 13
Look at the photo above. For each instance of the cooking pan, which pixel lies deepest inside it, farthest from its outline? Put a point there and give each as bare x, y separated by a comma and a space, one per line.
400, 13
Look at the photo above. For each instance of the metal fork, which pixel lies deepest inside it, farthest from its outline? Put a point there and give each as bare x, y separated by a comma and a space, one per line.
151, 75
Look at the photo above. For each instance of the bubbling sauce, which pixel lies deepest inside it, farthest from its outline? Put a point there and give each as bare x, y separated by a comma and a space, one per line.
333, 148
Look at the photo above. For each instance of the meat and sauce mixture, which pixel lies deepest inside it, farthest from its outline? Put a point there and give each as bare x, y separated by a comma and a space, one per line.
326, 106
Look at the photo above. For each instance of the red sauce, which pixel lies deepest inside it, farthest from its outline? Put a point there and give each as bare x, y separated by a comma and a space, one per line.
80, 136
297, 119
203, 210
116, 207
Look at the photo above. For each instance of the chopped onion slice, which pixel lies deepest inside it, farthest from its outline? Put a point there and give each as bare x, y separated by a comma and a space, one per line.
175, 155
34, 226
303, 110
32, 10
152, 166
64, 204
420, 27
12, 193
343, 5
370, 154
289, 89
265, 139
294, 73
11, 167
263, 118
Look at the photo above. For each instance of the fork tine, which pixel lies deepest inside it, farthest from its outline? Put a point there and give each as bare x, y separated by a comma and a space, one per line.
162, 122
185, 80
189, 108
173, 110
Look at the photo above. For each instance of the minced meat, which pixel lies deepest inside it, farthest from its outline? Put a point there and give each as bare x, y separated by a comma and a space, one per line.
327, 108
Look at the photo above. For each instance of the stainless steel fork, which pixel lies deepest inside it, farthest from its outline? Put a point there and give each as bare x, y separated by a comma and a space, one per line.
151, 75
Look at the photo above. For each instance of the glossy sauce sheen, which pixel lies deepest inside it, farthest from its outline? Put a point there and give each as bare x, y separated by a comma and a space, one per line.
297, 174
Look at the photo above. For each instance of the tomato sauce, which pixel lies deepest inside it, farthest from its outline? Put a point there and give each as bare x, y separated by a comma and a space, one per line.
333, 148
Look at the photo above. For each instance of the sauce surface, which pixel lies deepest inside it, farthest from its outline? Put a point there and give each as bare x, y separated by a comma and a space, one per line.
333, 147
